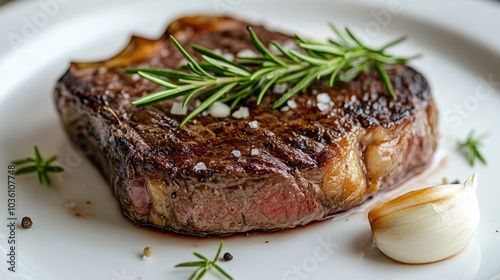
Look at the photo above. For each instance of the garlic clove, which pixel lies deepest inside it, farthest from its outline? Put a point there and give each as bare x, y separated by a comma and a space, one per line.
427, 225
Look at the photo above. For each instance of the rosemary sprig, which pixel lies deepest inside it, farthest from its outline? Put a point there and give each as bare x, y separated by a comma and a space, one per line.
470, 147
205, 265
219, 79
38, 165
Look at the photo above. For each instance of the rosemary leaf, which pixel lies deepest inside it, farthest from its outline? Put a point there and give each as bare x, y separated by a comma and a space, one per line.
358, 41
155, 97
323, 48
23, 161
385, 78
218, 252
216, 78
227, 66
46, 178
156, 79
267, 84
40, 177
196, 274
393, 43
190, 94
25, 170
41, 167
205, 265
260, 47
200, 256
190, 264
343, 40
201, 274
171, 74
196, 68
54, 169
38, 156
285, 53
470, 147
216, 266
335, 72
209, 53
308, 59
306, 81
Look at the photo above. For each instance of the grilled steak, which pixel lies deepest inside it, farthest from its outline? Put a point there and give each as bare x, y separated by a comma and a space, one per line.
224, 175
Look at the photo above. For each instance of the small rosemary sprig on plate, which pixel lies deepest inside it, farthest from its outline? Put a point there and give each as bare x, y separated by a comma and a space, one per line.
470, 147
38, 165
219, 79
205, 264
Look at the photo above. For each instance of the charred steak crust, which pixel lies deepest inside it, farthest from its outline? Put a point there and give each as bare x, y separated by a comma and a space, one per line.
310, 163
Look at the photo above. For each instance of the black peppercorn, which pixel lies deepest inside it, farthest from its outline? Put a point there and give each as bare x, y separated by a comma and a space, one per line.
227, 256
26, 222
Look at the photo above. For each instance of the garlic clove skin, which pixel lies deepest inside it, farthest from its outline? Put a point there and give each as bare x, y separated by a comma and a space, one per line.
427, 225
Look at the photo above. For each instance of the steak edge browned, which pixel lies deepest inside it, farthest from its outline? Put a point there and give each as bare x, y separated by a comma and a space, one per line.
310, 163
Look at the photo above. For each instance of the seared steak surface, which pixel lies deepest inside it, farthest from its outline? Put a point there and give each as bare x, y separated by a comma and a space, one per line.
296, 167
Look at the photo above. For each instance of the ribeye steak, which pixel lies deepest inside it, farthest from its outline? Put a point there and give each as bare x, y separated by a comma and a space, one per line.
222, 175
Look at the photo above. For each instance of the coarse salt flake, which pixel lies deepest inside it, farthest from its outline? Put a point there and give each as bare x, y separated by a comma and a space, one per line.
273, 49
102, 70
292, 104
200, 166
182, 62
253, 124
241, 113
135, 77
323, 107
164, 53
289, 45
255, 152
246, 53
236, 153
280, 88
177, 109
323, 98
228, 56
285, 109
219, 110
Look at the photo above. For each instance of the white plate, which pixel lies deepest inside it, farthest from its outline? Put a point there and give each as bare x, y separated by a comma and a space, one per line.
461, 52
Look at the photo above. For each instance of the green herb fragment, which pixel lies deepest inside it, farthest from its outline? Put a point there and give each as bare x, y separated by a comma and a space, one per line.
205, 265
39, 166
219, 79
470, 147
